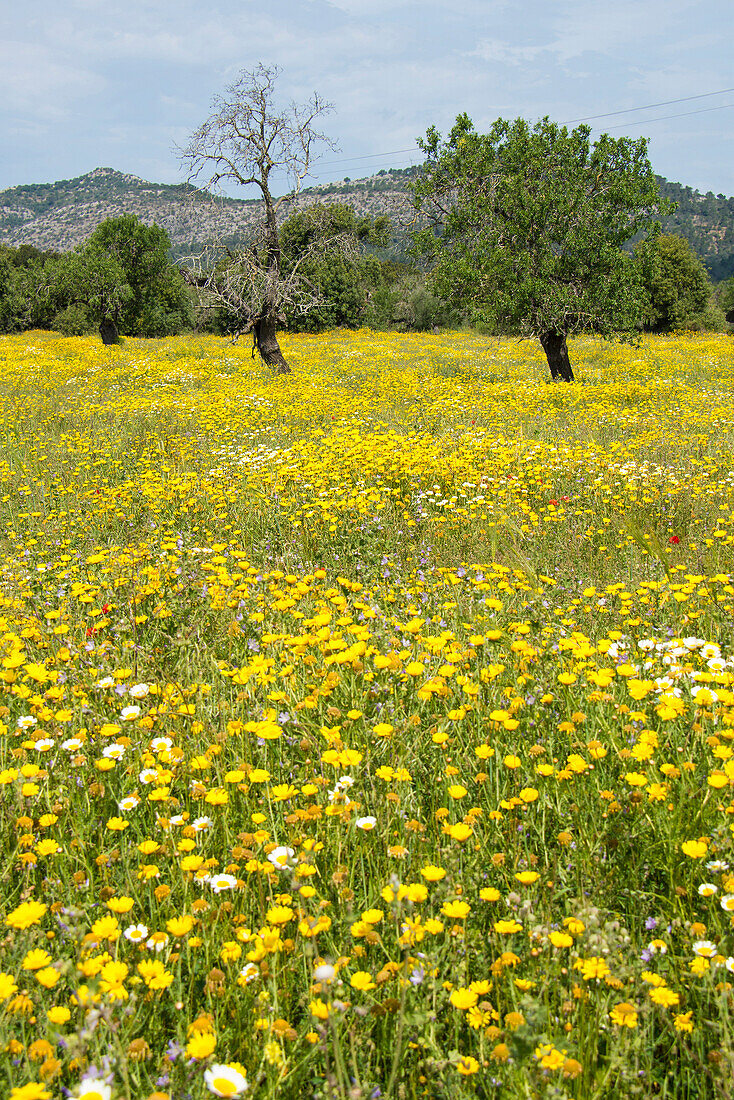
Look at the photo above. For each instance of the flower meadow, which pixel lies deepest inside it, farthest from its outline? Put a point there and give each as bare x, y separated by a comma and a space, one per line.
367, 732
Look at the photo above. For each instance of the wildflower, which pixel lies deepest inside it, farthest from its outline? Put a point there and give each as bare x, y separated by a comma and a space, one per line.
661, 995
201, 1045
180, 926
362, 980
36, 959
694, 849
467, 1065
624, 1015
366, 823
26, 914
7, 986
136, 933
220, 883
47, 977
226, 1080
527, 877
432, 873
93, 1088
282, 858
507, 927
456, 910
32, 1091
59, 1014
463, 998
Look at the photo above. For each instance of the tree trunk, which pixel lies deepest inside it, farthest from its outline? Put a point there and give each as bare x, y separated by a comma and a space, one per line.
556, 352
108, 331
267, 344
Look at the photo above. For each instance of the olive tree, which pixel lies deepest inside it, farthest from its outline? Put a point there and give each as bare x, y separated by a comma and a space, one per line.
525, 227
246, 139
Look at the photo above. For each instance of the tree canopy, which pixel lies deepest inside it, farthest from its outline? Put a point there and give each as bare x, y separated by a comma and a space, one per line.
524, 227
324, 245
676, 283
121, 280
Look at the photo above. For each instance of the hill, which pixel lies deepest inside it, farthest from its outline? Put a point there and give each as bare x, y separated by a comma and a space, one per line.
61, 215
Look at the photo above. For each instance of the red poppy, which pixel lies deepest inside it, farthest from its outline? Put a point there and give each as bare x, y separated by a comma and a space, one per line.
674, 540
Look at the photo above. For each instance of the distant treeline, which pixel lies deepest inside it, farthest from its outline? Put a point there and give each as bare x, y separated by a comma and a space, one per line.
122, 280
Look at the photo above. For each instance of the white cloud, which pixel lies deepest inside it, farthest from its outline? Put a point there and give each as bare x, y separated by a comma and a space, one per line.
33, 81
127, 77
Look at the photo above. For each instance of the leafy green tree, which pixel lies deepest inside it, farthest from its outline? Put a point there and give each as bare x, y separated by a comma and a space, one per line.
323, 244
675, 281
524, 227
725, 299
94, 281
25, 301
122, 281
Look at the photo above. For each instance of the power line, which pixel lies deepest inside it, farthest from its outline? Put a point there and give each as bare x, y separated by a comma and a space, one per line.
568, 122
648, 106
661, 118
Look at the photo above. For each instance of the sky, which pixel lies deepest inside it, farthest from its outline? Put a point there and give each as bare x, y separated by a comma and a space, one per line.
123, 83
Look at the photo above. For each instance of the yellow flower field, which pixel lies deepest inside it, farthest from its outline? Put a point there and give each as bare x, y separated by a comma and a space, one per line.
367, 732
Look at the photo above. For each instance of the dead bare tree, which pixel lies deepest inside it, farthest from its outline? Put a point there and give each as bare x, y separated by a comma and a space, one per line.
245, 140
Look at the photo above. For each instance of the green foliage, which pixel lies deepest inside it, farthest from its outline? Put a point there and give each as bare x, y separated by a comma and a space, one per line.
122, 273
325, 245
706, 222
677, 287
725, 299
405, 303
74, 321
524, 226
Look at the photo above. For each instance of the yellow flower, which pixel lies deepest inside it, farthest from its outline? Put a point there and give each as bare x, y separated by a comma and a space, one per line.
624, 1015
120, 905
456, 910
26, 914
31, 1091
694, 849
527, 878
201, 1045
36, 959
661, 995
463, 998
507, 927
467, 1065
362, 980
47, 977
372, 916
7, 986
432, 873
180, 926
59, 1014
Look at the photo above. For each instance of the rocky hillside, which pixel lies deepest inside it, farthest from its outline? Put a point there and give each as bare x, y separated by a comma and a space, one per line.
61, 215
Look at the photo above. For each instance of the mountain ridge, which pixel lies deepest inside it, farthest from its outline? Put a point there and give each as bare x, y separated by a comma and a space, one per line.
58, 216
